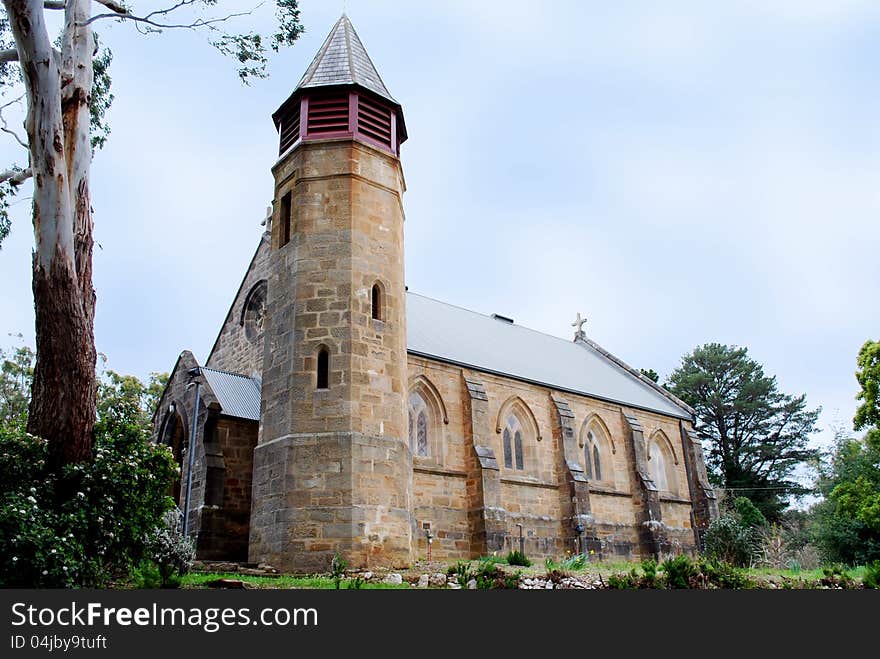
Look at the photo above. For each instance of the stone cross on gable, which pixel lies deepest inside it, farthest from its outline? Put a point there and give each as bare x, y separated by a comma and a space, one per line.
579, 325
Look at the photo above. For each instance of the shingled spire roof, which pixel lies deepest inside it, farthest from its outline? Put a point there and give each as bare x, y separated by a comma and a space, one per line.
343, 60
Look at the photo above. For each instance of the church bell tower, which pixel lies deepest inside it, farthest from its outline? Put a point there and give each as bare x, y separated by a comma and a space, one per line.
332, 469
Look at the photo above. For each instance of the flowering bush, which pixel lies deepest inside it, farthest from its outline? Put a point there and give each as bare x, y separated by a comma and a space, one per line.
85, 525
171, 551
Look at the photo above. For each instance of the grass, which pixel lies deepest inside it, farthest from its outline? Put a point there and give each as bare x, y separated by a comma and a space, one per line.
805, 575
598, 568
285, 582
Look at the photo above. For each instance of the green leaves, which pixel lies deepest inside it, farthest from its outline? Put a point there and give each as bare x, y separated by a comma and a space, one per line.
16, 373
86, 523
102, 97
868, 375
757, 435
289, 27
126, 402
848, 519
250, 48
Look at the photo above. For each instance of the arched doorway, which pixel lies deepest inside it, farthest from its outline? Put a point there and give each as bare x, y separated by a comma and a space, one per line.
173, 437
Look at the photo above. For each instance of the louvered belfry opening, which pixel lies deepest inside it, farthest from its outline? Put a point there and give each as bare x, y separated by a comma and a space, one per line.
328, 114
374, 120
343, 113
289, 127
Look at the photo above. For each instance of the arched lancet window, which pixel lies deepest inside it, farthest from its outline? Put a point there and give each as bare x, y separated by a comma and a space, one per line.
588, 456
512, 438
658, 471
427, 419
661, 461
418, 426
598, 449
376, 302
323, 374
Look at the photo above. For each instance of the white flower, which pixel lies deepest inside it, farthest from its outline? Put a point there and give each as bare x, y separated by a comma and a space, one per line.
45, 572
54, 551
14, 559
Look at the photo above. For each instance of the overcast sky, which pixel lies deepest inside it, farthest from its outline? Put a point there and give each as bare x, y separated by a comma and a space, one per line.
678, 172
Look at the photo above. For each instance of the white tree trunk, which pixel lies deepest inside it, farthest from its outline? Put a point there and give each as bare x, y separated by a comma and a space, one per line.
76, 93
58, 90
53, 231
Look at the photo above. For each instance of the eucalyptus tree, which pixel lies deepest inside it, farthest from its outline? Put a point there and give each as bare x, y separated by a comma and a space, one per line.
64, 84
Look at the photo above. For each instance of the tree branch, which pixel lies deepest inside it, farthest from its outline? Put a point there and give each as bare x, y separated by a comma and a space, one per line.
112, 5
9, 55
5, 128
54, 4
148, 20
16, 176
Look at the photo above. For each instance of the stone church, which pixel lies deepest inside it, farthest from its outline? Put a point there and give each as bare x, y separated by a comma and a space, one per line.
339, 412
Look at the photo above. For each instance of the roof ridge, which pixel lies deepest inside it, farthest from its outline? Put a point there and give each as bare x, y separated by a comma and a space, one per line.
347, 28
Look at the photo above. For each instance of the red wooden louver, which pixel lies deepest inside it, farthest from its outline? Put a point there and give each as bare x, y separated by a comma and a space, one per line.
328, 114
374, 120
289, 128
340, 114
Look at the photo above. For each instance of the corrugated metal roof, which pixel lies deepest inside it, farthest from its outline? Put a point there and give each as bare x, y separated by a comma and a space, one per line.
343, 60
238, 395
471, 339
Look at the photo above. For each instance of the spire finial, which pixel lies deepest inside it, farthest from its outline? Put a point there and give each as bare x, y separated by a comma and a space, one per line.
579, 333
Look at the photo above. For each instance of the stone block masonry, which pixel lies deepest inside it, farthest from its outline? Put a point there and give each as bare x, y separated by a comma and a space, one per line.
333, 471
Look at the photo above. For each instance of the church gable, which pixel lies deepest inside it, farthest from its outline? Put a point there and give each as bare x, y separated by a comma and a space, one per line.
239, 345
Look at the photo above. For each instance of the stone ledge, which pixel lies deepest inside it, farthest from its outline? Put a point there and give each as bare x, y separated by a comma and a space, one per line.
512, 480
438, 470
674, 499
598, 489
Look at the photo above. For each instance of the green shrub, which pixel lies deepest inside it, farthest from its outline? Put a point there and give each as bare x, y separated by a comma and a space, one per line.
516, 557
624, 581
493, 559
871, 578
748, 513
486, 575
649, 567
462, 573
88, 523
337, 569
576, 562
146, 575
722, 575
679, 571
728, 540
511, 581
837, 576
